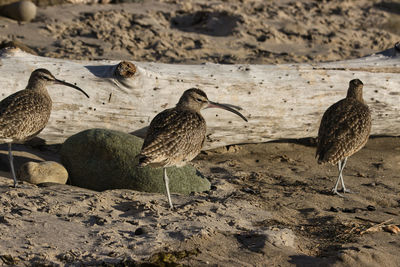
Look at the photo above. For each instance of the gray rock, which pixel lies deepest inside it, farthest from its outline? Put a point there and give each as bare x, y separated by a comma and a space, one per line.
21, 11
100, 159
43, 172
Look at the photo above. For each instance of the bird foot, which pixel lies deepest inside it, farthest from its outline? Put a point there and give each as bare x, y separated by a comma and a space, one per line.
335, 192
347, 191
171, 208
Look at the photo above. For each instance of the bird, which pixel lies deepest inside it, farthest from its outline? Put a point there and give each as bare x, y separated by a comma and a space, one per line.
24, 114
344, 130
176, 135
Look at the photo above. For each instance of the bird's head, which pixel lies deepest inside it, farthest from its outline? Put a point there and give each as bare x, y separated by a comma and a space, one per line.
43, 77
196, 100
355, 90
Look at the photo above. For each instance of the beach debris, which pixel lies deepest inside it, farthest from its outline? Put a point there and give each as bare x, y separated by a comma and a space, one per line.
391, 228
376, 228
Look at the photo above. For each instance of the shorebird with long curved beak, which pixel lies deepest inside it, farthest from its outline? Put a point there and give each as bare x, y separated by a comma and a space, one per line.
175, 136
24, 114
344, 130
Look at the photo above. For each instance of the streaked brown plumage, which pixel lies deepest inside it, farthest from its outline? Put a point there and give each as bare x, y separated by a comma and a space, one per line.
25, 113
344, 129
175, 136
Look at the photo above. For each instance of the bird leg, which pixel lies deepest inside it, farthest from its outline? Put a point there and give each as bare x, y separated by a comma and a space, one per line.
341, 165
11, 160
166, 182
341, 175
334, 190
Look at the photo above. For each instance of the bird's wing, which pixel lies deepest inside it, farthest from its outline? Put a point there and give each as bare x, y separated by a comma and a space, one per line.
172, 133
344, 127
23, 114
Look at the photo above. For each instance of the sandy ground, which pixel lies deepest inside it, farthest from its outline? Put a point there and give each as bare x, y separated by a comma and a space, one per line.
270, 203
211, 31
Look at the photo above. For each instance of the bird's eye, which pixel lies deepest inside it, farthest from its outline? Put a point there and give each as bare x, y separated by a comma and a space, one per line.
199, 99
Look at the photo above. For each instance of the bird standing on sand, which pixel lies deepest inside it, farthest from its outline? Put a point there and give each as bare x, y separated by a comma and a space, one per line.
175, 136
24, 114
344, 130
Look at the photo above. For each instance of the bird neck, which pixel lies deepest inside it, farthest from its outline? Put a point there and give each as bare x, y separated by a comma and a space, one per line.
355, 93
38, 87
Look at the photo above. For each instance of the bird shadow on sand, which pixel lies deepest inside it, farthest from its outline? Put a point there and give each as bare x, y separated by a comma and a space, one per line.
306, 141
252, 241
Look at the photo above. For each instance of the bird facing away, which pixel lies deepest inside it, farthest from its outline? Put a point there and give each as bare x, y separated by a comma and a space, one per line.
344, 129
24, 114
175, 136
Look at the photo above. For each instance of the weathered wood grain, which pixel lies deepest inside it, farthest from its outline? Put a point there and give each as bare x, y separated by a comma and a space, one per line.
281, 101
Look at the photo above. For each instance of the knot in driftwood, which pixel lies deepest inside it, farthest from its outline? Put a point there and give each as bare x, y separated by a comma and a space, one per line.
125, 69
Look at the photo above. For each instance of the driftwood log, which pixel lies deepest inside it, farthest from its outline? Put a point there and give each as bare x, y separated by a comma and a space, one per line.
281, 101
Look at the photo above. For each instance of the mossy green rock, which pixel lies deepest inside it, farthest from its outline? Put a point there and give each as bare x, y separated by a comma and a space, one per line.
101, 159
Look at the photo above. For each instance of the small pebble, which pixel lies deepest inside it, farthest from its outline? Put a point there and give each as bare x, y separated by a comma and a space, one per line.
347, 210
250, 191
371, 208
333, 209
140, 231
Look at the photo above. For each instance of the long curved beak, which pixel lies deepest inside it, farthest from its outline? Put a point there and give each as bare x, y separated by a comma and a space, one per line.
227, 107
71, 85
232, 106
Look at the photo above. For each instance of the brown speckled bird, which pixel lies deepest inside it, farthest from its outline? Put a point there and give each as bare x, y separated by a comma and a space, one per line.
24, 114
175, 136
344, 130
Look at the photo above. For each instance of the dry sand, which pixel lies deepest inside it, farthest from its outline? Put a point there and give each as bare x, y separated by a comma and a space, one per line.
211, 31
270, 204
